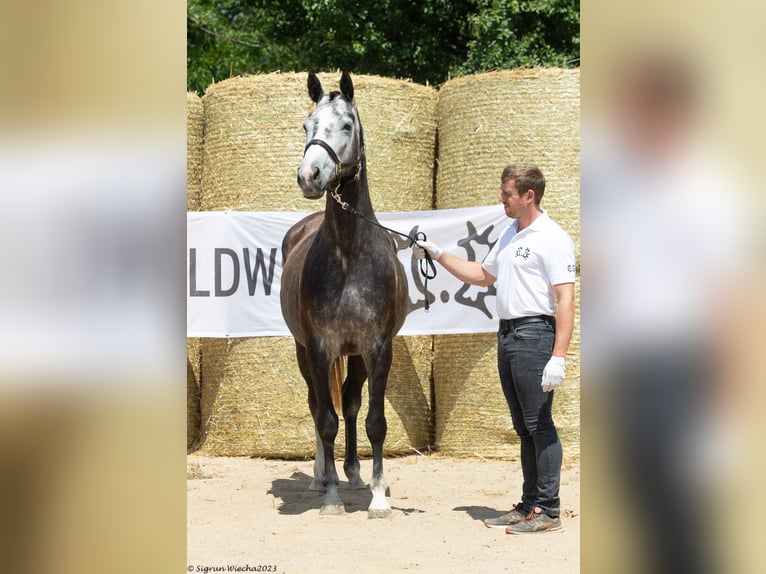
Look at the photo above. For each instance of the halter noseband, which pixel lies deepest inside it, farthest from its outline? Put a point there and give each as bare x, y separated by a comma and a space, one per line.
339, 166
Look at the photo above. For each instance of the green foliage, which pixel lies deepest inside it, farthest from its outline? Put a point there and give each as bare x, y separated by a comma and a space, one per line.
425, 41
522, 33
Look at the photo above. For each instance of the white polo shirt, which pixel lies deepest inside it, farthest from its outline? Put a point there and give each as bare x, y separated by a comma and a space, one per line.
527, 266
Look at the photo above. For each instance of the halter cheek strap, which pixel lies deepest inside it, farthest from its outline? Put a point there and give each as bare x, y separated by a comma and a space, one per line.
339, 166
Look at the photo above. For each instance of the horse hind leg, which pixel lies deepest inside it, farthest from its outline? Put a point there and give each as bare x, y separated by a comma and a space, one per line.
352, 400
376, 429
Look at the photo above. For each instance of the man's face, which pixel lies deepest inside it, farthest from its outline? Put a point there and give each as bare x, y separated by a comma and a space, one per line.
509, 197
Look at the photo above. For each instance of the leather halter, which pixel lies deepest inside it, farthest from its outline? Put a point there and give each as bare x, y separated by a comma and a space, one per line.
339, 166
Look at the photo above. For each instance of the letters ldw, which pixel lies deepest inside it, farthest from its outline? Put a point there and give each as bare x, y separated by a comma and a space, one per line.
227, 259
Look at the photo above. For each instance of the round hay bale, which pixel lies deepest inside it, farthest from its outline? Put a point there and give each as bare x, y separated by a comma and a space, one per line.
256, 403
254, 400
254, 141
193, 415
487, 121
472, 417
194, 138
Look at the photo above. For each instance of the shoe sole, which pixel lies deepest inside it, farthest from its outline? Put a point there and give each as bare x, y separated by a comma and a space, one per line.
506, 525
500, 525
551, 529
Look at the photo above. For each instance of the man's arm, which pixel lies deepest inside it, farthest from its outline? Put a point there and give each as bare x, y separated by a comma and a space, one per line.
564, 318
470, 272
467, 271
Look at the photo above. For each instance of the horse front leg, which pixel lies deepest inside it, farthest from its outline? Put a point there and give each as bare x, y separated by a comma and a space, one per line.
352, 401
326, 426
317, 483
376, 428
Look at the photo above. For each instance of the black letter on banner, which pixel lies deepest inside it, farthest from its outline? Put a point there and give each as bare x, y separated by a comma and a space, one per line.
193, 276
219, 292
260, 264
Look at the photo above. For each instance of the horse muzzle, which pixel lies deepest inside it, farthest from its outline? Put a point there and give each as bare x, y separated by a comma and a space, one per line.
311, 191
311, 182
313, 194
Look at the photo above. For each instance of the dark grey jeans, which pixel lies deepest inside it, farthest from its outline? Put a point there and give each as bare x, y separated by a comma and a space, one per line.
522, 353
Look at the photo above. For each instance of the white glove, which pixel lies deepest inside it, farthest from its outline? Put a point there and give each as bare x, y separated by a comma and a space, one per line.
422, 246
554, 373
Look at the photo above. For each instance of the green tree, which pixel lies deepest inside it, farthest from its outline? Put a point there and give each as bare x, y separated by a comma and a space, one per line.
522, 33
425, 41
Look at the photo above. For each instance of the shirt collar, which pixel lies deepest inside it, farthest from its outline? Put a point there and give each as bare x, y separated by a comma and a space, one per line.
536, 224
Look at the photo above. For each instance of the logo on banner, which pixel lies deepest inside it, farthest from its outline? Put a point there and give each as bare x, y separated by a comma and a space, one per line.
467, 243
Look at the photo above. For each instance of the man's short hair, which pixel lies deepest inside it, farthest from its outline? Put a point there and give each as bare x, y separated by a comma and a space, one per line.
526, 176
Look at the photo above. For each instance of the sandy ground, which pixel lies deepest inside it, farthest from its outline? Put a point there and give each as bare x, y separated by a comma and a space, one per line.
258, 514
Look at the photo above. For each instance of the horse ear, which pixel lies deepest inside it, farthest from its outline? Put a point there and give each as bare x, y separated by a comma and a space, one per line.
347, 86
315, 88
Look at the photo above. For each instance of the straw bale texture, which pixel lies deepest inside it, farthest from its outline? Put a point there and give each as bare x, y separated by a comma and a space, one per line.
254, 400
472, 417
194, 138
193, 416
254, 141
487, 121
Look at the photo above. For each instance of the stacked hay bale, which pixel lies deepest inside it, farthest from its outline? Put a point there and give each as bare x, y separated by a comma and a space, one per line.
195, 124
254, 400
193, 393
487, 121
194, 135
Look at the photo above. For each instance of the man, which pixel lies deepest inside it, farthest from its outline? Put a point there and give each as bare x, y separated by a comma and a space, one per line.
533, 264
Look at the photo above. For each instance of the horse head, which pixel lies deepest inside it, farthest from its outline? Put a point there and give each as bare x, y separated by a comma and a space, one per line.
334, 141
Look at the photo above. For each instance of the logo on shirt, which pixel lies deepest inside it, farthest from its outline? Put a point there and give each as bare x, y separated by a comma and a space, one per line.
571, 268
523, 252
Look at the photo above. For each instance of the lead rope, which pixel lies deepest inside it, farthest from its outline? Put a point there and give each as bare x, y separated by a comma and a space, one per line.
427, 267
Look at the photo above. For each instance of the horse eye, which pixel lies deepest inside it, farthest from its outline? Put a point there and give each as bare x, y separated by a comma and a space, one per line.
347, 127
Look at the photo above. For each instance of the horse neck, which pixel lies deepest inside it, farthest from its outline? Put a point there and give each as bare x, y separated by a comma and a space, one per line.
342, 227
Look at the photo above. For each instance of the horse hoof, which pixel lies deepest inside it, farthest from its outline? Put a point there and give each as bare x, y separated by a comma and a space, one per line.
316, 486
357, 484
332, 510
379, 513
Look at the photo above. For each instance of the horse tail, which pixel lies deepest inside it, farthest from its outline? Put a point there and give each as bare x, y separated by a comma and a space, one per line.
337, 376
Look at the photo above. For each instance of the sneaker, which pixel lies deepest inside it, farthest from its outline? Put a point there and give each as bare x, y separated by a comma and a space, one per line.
535, 522
512, 517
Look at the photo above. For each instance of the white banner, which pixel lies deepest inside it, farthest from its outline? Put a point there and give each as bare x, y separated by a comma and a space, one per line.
234, 267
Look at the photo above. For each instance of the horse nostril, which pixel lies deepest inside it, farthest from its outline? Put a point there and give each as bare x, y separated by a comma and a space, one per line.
315, 173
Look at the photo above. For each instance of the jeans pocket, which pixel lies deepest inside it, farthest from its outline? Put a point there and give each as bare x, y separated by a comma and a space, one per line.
527, 333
